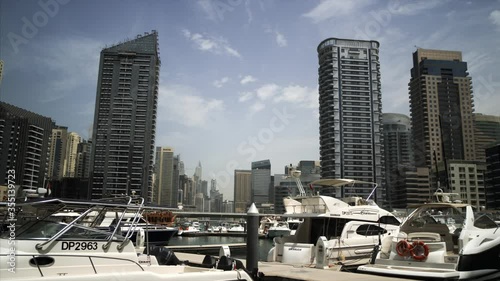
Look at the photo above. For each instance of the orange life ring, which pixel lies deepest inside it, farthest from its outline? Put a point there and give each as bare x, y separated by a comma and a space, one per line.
403, 248
419, 251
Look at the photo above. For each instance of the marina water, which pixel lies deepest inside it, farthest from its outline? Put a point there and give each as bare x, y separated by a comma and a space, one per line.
264, 244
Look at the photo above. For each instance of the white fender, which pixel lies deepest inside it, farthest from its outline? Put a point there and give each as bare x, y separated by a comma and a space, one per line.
140, 237
224, 251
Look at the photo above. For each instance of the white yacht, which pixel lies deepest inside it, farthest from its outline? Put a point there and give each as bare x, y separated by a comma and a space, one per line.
293, 224
440, 241
34, 246
236, 228
332, 231
278, 229
190, 229
218, 229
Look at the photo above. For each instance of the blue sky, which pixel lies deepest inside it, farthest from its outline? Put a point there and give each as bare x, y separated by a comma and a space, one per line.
238, 79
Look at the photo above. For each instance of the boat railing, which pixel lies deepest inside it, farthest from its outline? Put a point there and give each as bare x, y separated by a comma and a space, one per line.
138, 203
310, 209
134, 203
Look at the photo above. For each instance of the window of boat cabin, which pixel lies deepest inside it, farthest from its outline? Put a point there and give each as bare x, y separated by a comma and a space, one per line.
433, 215
389, 220
328, 227
484, 222
370, 230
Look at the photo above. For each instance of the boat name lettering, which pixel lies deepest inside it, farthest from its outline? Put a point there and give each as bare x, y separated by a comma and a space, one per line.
294, 249
78, 246
346, 213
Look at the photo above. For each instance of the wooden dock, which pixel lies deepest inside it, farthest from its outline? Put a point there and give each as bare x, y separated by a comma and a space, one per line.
283, 272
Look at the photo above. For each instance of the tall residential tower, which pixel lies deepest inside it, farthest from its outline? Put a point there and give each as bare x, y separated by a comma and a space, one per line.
398, 153
24, 146
242, 190
261, 182
350, 108
165, 194
441, 107
125, 118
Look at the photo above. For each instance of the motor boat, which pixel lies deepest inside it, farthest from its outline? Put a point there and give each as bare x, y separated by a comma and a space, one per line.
265, 224
293, 224
221, 228
278, 229
236, 228
190, 229
441, 240
34, 245
333, 231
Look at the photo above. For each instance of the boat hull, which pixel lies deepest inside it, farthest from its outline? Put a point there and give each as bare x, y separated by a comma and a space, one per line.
278, 233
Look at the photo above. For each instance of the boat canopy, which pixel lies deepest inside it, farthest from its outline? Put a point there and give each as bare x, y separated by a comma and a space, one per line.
339, 182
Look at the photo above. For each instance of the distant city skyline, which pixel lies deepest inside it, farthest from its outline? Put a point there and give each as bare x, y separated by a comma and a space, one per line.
239, 78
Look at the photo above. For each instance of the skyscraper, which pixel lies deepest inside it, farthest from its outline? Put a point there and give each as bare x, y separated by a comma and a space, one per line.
1, 71
125, 118
164, 192
70, 160
350, 111
441, 107
57, 153
24, 145
242, 190
486, 133
261, 181
398, 152
492, 175
197, 177
176, 181
63, 153
83, 159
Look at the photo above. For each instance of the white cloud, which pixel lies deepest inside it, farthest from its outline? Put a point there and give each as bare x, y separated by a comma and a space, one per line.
256, 107
232, 51
245, 96
248, 79
281, 40
182, 104
249, 12
495, 17
416, 7
304, 96
328, 9
207, 7
211, 44
221, 82
267, 91
301, 96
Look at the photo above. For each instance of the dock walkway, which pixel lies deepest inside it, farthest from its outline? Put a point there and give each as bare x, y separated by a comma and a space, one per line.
283, 272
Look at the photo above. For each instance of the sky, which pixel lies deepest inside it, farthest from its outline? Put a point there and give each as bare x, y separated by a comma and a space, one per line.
238, 79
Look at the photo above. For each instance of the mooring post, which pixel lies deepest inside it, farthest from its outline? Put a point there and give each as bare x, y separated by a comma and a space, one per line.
252, 239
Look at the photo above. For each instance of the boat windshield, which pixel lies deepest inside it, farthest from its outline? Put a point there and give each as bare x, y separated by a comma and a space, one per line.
431, 215
45, 229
